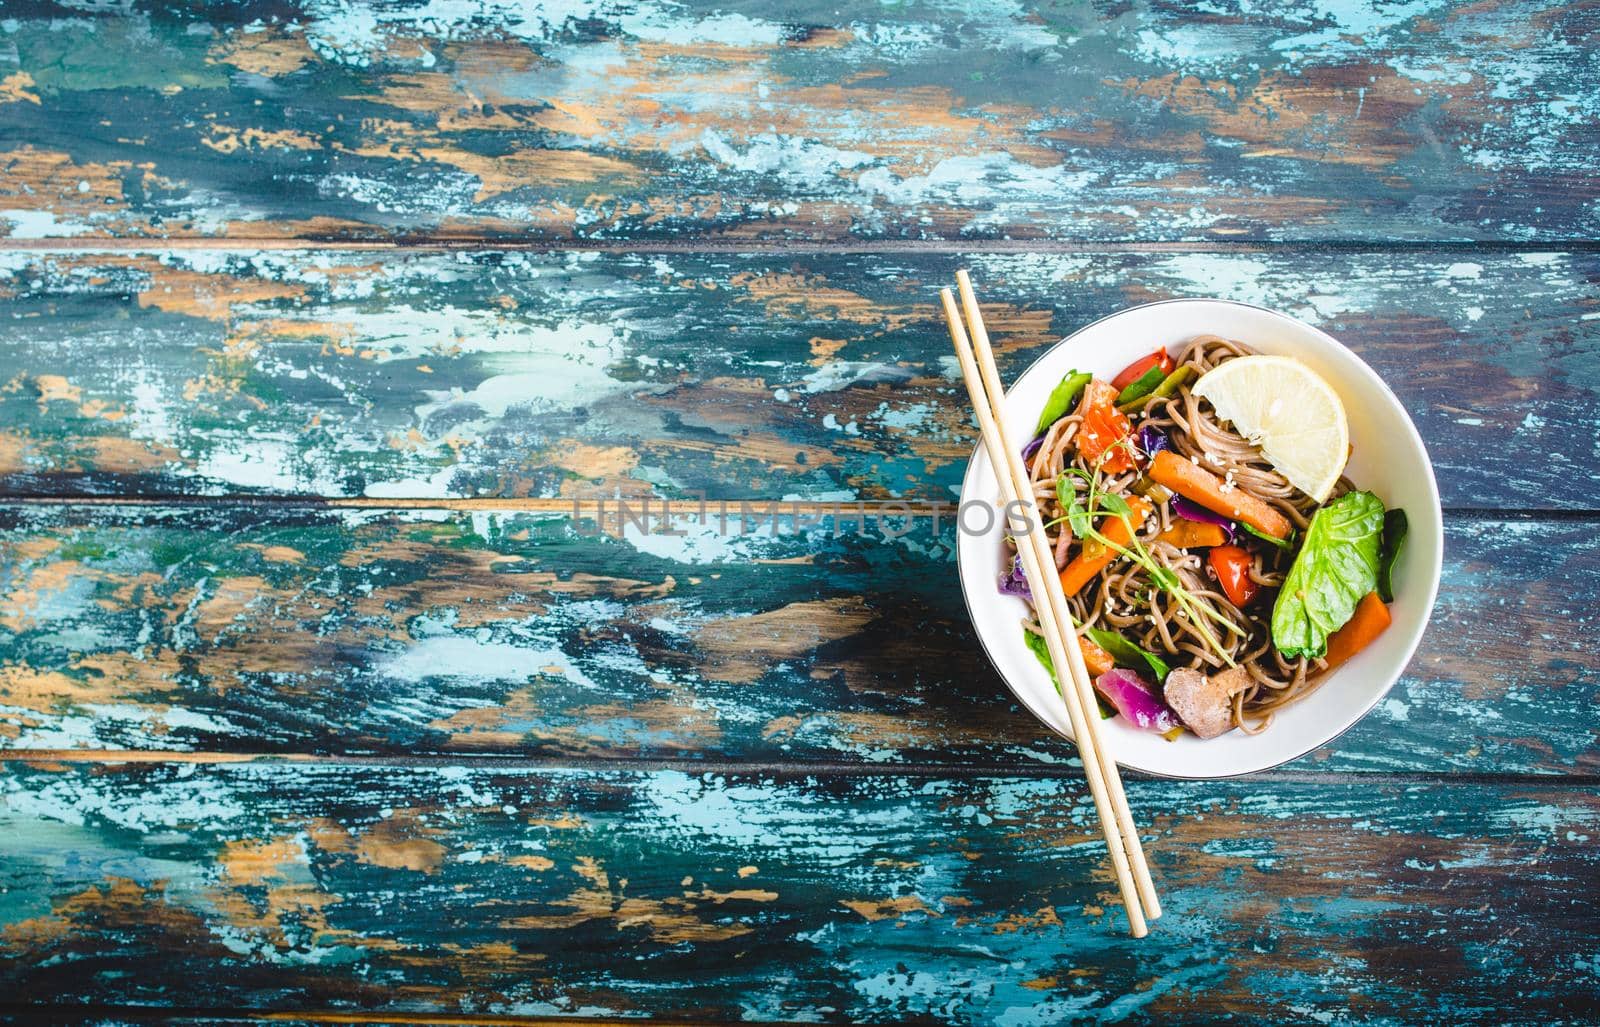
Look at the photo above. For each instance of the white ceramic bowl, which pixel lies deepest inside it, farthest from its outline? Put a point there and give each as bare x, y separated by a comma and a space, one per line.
1389, 459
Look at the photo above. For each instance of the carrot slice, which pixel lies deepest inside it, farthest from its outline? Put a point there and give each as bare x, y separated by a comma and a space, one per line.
1101, 427
1366, 624
1194, 482
1095, 556
1193, 535
1096, 659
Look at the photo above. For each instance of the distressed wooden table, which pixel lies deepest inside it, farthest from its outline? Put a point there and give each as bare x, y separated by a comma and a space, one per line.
329, 689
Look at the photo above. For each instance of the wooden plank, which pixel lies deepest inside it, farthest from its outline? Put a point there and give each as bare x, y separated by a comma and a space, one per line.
240, 630
709, 896
814, 376
369, 120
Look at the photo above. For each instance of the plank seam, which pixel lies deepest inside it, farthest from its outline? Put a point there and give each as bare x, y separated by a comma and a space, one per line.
930, 247
60, 1012
777, 770
708, 509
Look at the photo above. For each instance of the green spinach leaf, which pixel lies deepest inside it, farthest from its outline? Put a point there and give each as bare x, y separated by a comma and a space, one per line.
1042, 650
1394, 533
1281, 543
1129, 654
1337, 565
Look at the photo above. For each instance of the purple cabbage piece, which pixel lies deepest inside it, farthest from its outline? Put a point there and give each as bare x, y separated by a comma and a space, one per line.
1014, 582
1191, 511
1031, 448
1136, 700
1152, 440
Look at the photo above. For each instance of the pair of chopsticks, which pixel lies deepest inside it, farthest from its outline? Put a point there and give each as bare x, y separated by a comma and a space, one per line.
1061, 639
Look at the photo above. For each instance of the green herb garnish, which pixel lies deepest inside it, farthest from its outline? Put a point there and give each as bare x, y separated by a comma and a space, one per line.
1081, 514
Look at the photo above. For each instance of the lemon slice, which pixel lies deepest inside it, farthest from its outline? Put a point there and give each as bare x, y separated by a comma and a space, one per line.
1289, 411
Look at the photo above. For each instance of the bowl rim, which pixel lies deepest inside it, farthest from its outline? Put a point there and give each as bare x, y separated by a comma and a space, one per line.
1435, 509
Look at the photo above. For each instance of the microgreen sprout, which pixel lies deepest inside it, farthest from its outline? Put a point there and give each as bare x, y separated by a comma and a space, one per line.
1081, 514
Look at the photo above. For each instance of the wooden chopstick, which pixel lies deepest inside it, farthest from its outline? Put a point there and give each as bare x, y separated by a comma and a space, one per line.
1122, 840
1058, 601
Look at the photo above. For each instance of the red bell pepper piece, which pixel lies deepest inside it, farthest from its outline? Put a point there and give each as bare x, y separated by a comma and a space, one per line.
1232, 567
1132, 373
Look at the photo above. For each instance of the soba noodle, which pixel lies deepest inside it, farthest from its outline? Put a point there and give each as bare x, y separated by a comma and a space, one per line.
1122, 597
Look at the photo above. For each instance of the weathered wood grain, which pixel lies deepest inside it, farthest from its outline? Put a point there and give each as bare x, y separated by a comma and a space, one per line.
408, 877
923, 121
963, 900
813, 376
297, 631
